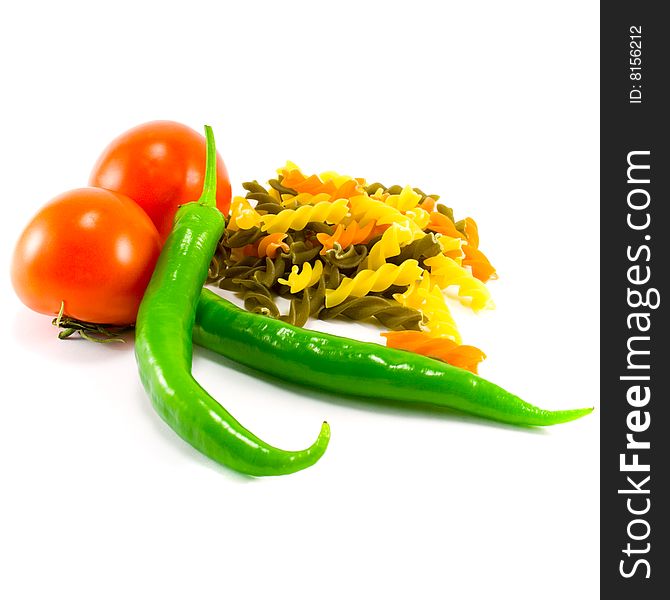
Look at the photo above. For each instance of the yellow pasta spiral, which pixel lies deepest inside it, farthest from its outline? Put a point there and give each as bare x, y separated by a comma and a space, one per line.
335, 177
307, 278
448, 243
368, 208
370, 280
289, 166
419, 217
323, 212
389, 245
445, 271
372, 208
429, 299
291, 201
405, 200
242, 214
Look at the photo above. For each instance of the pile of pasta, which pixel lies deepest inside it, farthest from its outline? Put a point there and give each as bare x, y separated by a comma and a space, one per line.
335, 246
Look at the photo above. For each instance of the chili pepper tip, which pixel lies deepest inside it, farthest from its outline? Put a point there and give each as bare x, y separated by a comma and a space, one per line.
563, 416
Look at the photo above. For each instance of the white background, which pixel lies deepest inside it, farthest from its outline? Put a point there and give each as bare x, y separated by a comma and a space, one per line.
493, 105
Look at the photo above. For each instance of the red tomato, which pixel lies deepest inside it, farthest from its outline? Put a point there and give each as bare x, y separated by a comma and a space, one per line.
160, 165
91, 248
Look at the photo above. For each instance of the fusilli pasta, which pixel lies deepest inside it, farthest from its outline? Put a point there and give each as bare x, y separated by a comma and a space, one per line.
445, 271
299, 280
335, 246
377, 280
329, 212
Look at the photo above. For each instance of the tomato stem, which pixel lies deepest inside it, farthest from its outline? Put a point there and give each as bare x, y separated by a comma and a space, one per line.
93, 332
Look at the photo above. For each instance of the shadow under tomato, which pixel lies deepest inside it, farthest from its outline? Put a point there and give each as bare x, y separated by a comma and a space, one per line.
35, 332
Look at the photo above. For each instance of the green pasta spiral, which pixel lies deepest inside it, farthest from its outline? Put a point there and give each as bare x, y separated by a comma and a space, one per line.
350, 258
389, 313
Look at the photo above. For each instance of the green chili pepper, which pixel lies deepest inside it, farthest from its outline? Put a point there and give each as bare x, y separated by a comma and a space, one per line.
163, 346
344, 366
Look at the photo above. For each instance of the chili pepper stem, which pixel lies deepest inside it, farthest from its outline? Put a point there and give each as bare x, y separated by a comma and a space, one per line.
208, 196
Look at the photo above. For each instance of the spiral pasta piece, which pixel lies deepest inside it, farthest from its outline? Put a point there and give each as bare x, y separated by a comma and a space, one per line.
292, 177
268, 274
242, 215
446, 211
241, 237
299, 311
303, 198
257, 298
389, 245
441, 223
419, 249
428, 204
388, 312
447, 272
350, 258
263, 199
419, 217
451, 247
369, 280
239, 254
449, 244
427, 298
405, 200
254, 187
368, 208
471, 232
336, 178
300, 252
274, 196
347, 189
482, 269
440, 348
345, 236
281, 189
328, 212
271, 244
299, 280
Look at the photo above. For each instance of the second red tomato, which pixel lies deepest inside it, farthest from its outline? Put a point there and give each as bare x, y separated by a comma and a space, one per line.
160, 165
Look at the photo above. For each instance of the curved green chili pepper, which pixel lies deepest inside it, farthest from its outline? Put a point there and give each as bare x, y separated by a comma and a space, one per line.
163, 346
344, 366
